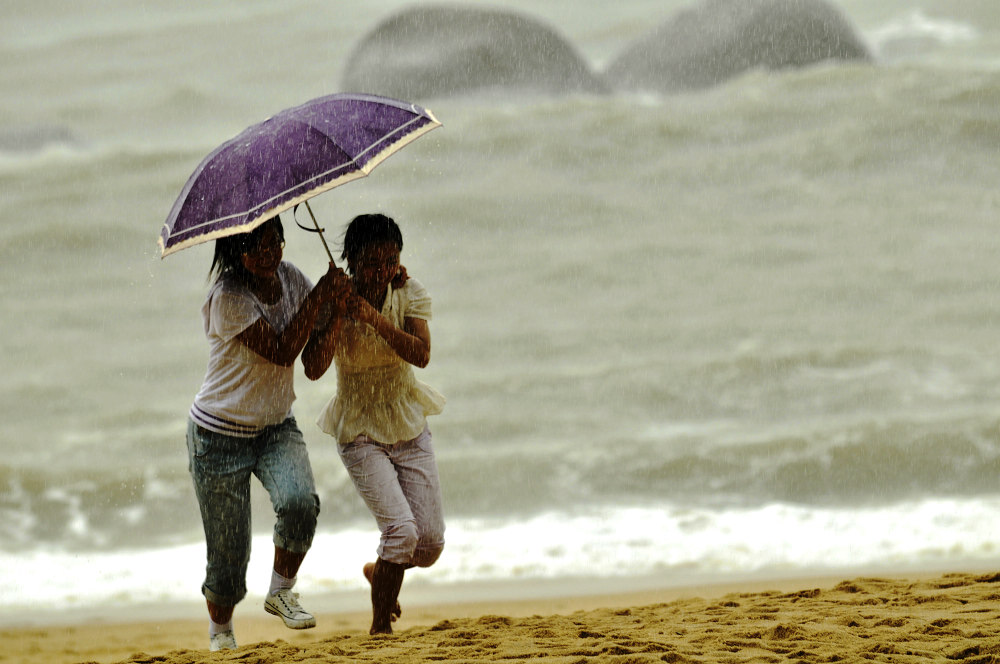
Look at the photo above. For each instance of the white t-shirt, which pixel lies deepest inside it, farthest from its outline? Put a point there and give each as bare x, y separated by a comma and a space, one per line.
242, 392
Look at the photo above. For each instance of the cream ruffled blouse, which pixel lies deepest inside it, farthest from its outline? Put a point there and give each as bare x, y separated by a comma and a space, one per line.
377, 393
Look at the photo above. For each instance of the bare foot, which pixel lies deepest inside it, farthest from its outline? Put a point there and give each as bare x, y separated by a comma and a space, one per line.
368, 570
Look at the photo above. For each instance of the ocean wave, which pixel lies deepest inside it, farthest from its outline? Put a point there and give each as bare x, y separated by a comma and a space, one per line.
91, 511
869, 463
34, 138
67, 163
673, 543
915, 33
85, 509
848, 462
857, 465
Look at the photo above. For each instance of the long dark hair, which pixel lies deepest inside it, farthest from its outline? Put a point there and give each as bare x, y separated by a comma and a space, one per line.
228, 259
368, 229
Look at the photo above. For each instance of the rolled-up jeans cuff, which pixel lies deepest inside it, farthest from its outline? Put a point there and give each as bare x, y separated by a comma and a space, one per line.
290, 545
221, 600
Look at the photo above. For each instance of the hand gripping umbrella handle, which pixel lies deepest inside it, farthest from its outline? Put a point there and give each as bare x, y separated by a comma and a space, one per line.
315, 229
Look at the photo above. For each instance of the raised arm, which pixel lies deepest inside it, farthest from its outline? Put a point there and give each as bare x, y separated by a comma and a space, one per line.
319, 350
412, 343
282, 349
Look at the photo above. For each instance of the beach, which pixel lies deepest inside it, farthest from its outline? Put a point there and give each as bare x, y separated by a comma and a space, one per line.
886, 618
705, 352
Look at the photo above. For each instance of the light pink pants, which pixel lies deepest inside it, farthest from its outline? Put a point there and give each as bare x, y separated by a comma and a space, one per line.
399, 484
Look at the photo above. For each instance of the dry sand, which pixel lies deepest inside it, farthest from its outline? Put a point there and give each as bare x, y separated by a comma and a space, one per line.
950, 617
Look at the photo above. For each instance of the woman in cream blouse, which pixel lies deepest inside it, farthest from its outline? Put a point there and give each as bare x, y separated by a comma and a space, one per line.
378, 415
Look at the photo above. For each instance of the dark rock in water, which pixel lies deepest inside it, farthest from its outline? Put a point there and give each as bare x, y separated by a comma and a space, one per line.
33, 138
434, 51
718, 39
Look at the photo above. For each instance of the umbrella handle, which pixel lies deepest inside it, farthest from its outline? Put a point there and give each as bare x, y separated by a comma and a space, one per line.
316, 229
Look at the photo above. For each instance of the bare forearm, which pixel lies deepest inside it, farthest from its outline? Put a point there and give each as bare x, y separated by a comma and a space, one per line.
293, 338
409, 347
319, 350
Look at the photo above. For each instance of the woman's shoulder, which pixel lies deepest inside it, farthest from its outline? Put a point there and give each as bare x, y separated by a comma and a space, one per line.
228, 285
413, 289
295, 284
289, 273
415, 298
288, 270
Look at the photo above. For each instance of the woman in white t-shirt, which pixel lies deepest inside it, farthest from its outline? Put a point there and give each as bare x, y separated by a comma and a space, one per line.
379, 413
258, 317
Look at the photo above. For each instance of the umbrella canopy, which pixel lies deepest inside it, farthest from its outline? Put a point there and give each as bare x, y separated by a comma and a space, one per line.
283, 161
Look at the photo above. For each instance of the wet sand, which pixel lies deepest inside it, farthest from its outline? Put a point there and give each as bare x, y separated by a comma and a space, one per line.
917, 618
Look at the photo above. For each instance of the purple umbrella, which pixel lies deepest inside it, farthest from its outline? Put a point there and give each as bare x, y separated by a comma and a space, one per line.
285, 160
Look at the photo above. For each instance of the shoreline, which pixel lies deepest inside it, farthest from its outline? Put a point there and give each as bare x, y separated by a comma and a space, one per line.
103, 636
568, 590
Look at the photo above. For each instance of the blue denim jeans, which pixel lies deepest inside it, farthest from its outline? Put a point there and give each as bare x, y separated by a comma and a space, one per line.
221, 467
399, 484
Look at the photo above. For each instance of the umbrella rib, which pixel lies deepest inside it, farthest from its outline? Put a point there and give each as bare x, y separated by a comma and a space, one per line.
330, 184
362, 171
173, 239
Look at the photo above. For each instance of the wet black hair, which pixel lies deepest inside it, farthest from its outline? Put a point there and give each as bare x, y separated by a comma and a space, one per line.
228, 259
368, 229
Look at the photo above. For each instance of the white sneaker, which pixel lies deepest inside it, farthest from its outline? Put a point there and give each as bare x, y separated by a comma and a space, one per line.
222, 641
285, 605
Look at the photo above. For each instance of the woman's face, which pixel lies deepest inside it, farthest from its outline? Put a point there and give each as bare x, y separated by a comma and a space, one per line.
375, 265
263, 259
